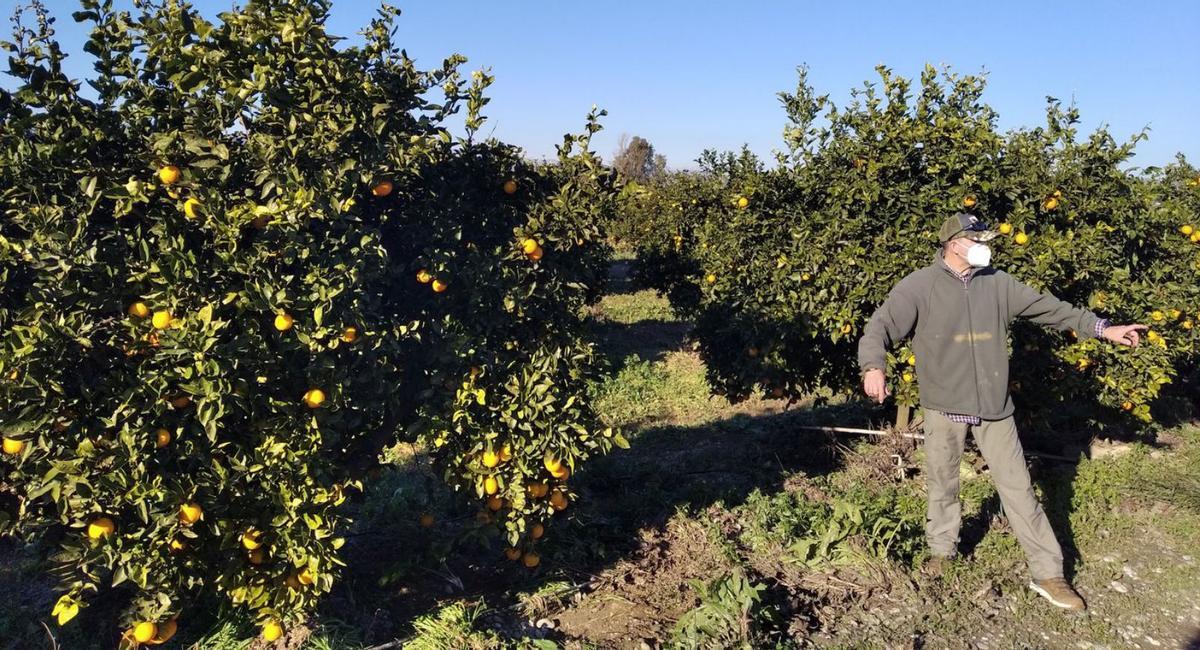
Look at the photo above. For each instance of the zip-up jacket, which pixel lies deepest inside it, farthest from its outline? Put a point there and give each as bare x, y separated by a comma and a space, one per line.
961, 340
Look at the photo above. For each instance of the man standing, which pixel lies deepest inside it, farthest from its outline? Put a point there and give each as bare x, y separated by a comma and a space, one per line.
961, 309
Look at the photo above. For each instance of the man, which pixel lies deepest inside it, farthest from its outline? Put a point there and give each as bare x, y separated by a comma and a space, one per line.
962, 308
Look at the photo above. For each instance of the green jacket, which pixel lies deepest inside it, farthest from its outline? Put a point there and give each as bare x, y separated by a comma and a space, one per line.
961, 340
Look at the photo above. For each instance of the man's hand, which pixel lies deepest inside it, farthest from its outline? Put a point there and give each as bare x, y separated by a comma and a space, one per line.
875, 385
1124, 334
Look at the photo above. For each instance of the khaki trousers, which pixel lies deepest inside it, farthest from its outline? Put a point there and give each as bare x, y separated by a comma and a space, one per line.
1001, 449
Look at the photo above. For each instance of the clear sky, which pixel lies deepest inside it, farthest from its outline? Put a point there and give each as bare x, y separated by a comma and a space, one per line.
690, 75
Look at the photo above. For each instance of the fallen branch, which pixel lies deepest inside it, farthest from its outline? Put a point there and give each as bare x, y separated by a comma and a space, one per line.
918, 436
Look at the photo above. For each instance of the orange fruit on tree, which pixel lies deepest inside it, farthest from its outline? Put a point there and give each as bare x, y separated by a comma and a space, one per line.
291, 581
531, 559
283, 321
558, 500
495, 503
439, 285
912, 359
1127, 406
907, 377
271, 631
350, 334
1187, 324
191, 207
562, 473
846, 328
537, 490
711, 278
490, 458
181, 401
529, 245
306, 576
168, 174
512, 553
165, 632
969, 201
383, 188
1021, 239
510, 186
537, 531
162, 438
551, 463
12, 446
145, 631
1006, 228
1157, 316
177, 545
1050, 203
1187, 229
161, 319
101, 527
536, 254
742, 202
426, 520
314, 398
252, 539
505, 452
139, 310
491, 485
424, 277
190, 513
256, 556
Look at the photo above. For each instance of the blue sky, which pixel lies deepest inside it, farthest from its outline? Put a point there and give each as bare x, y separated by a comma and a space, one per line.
695, 75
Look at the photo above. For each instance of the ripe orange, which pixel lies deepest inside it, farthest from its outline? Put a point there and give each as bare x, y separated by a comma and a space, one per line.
969, 201
283, 321
139, 310
1050, 203
531, 559
1157, 316
162, 438
181, 402
271, 631
490, 458
191, 207
804, 277
495, 503
177, 545
537, 531
1005, 228
562, 473
190, 513
1127, 406
537, 490
529, 245
510, 186
505, 452
424, 277
252, 539
1021, 239
1187, 324
256, 557
439, 286
12, 446
291, 581
306, 576
382, 188
912, 359
165, 632
512, 553
426, 520
742, 202
907, 377
846, 328
168, 174
536, 254
314, 397
350, 334
145, 631
1187, 229
711, 278
101, 527
551, 463
161, 319
491, 485
558, 500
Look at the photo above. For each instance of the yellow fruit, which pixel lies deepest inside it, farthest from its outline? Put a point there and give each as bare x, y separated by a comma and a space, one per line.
562, 473
1021, 239
505, 453
168, 174
145, 631
350, 334
1127, 406
490, 458
510, 186
190, 513
711, 278
512, 553
139, 310
495, 503
191, 208
426, 520
173, 193
314, 398
100, 528
558, 500
536, 254
161, 320
1005, 228
529, 245
551, 463
12, 447
491, 485
177, 545
283, 321
537, 531
439, 286
969, 201
271, 631
1157, 316
252, 539
846, 328
1175, 313
382, 189
1187, 229
165, 632
424, 277
306, 576
1187, 324
907, 377
1050, 203
912, 360
1083, 364
804, 277
162, 438
1196, 236
531, 559
256, 556
1058, 194
1152, 335
742, 202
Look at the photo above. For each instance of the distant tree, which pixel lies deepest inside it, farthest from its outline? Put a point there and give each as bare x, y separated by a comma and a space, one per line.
635, 159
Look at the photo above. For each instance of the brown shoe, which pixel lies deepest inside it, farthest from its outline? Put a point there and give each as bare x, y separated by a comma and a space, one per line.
1059, 592
936, 565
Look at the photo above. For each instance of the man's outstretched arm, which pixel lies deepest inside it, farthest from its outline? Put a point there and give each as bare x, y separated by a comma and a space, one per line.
1026, 302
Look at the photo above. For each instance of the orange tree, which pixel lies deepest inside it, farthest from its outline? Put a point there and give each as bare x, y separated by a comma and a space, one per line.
250, 262
783, 273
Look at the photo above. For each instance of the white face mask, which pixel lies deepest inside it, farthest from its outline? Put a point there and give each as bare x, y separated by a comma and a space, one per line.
979, 255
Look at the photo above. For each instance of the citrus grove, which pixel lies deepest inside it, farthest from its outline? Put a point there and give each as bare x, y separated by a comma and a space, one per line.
780, 268
248, 262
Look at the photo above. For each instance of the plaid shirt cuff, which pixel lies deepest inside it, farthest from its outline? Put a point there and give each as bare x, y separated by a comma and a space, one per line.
962, 419
1101, 325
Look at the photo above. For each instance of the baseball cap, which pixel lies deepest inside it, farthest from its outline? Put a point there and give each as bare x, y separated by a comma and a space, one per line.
966, 225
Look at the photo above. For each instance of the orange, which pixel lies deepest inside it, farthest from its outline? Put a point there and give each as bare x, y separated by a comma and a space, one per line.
426, 520
139, 310
846, 328
558, 500
512, 553
1021, 239
1187, 229
100, 528
537, 490
562, 473
1157, 315
177, 545
256, 556
531, 559
711, 278
145, 631
191, 208
742, 202
491, 485
1005, 228
190, 513
495, 503
306, 577
505, 452
314, 398
490, 458
551, 463
907, 377
161, 319
510, 186
1127, 406
529, 245
536, 254
912, 360
12, 447
382, 188
283, 321
969, 201
165, 632
271, 631
424, 277
291, 581
537, 531
439, 286
1050, 203
168, 174
181, 402
162, 438
252, 539
805, 277
350, 334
